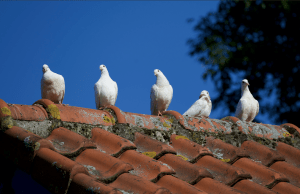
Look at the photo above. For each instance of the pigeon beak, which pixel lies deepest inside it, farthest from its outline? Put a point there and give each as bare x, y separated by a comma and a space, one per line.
247, 83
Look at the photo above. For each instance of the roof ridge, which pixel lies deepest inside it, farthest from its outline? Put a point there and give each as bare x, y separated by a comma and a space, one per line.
229, 129
103, 147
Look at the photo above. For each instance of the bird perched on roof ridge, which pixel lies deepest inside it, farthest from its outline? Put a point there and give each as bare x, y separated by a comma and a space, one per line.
106, 90
52, 85
202, 107
161, 94
248, 107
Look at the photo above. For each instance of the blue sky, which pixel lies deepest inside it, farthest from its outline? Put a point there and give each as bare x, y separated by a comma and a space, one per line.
131, 38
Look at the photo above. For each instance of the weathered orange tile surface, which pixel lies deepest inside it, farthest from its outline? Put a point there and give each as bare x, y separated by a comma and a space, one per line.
111, 151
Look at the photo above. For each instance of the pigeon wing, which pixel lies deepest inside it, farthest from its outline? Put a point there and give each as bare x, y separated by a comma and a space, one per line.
116, 90
97, 89
240, 109
63, 88
196, 108
170, 88
257, 107
46, 85
153, 97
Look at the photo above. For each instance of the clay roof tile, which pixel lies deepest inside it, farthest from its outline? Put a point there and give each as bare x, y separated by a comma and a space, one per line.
71, 149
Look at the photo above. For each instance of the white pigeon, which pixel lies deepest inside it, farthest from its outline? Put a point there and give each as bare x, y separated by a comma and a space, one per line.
201, 107
52, 86
106, 90
161, 94
248, 107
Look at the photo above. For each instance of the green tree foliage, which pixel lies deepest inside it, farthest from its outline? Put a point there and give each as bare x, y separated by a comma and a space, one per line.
258, 41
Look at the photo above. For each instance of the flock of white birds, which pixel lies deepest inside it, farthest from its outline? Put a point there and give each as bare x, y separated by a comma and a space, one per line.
106, 92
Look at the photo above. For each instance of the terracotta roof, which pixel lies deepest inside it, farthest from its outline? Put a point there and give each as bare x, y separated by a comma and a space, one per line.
70, 149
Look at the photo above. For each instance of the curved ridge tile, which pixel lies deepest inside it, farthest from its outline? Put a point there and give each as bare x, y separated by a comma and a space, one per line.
261, 153
221, 126
145, 166
215, 187
206, 124
20, 146
260, 173
110, 143
102, 166
177, 186
184, 170
54, 171
290, 153
4, 109
224, 151
85, 115
188, 149
252, 188
266, 130
290, 171
291, 128
238, 122
277, 131
257, 129
44, 102
67, 142
6, 121
200, 124
50, 107
222, 171
28, 112
146, 144
285, 188
82, 183
119, 114
148, 121
134, 184
178, 116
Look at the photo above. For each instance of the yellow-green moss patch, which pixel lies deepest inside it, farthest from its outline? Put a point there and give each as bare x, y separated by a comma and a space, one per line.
181, 137
5, 111
182, 157
150, 154
54, 111
225, 160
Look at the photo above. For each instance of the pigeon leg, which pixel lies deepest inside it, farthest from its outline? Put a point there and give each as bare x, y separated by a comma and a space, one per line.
159, 113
